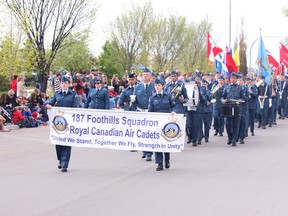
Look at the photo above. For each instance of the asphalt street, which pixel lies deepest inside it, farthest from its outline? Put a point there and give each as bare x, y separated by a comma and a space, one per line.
213, 179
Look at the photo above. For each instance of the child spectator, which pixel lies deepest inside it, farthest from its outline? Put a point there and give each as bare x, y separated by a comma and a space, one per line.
37, 117
18, 118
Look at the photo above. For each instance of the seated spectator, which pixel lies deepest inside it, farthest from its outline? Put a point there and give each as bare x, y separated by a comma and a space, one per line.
2, 127
11, 100
43, 113
111, 92
18, 118
37, 117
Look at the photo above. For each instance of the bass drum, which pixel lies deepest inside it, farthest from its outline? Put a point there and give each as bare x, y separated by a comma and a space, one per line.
193, 95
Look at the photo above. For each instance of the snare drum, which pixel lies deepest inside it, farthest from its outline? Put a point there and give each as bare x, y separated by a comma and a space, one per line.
230, 110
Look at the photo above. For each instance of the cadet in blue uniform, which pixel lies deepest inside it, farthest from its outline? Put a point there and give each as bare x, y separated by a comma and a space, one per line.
232, 92
98, 97
283, 94
205, 110
143, 92
178, 91
264, 102
252, 104
217, 91
124, 99
162, 102
63, 98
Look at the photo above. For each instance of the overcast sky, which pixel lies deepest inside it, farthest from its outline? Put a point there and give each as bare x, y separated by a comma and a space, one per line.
257, 14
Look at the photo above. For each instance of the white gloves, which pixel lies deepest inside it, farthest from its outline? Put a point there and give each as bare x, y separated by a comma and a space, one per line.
270, 102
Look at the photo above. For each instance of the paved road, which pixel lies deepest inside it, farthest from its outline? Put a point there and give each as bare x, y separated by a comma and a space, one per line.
213, 179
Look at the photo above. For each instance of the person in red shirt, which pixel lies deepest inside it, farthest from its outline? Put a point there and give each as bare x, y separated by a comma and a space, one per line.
18, 118
13, 83
78, 88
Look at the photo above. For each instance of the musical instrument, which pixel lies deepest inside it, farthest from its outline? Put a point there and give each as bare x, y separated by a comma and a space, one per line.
230, 109
215, 89
193, 95
258, 83
176, 91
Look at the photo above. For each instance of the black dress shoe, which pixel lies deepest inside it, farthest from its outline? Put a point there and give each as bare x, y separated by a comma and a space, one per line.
263, 127
194, 144
274, 123
143, 156
220, 134
234, 144
148, 159
206, 140
64, 170
167, 164
216, 133
229, 142
270, 125
199, 143
253, 134
189, 140
259, 126
59, 166
241, 141
159, 167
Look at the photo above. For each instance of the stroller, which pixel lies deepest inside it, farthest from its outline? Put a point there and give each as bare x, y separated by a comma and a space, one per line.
6, 115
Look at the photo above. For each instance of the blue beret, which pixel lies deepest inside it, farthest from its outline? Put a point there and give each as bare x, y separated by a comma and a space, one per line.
205, 81
131, 75
221, 77
248, 79
239, 77
159, 81
153, 74
146, 70
65, 79
233, 75
173, 72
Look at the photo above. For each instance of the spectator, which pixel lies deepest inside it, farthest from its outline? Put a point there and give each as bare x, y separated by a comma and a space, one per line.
21, 88
13, 83
115, 83
78, 88
2, 128
37, 117
124, 82
56, 82
18, 118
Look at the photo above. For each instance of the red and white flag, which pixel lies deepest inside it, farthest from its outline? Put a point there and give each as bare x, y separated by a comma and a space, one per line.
273, 64
229, 61
212, 50
283, 55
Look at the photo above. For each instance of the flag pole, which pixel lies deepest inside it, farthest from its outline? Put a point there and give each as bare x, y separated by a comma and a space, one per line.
229, 23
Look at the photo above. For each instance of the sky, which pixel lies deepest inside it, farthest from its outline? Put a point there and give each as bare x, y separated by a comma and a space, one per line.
257, 14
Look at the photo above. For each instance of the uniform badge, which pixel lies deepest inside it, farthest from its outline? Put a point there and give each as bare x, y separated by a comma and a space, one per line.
171, 131
59, 123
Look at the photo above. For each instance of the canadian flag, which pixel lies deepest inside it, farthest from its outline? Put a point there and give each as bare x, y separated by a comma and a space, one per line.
283, 55
212, 50
273, 64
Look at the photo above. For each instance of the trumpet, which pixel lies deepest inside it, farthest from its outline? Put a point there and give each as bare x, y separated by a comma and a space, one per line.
216, 89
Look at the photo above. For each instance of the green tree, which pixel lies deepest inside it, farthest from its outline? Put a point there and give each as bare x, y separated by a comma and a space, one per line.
76, 56
44, 19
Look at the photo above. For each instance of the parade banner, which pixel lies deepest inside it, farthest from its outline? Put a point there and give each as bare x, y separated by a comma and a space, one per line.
113, 129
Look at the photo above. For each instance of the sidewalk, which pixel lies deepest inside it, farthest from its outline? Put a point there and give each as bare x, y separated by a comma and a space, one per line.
12, 126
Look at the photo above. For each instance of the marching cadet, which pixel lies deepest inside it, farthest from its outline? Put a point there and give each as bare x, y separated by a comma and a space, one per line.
252, 103
124, 100
244, 110
232, 94
205, 110
264, 102
272, 113
162, 102
63, 98
283, 94
178, 91
98, 97
143, 92
217, 91
193, 117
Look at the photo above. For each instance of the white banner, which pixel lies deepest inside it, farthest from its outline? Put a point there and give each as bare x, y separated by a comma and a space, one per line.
113, 129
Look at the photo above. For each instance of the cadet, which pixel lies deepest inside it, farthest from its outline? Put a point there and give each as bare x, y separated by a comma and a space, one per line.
63, 98
283, 94
252, 103
98, 97
217, 91
232, 94
143, 92
264, 102
178, 91
124, 99
205, 110
162, 102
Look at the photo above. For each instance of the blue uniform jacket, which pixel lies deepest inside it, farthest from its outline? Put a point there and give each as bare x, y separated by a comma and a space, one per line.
163, 104
143, 95
253, 95
69, 100
178, 90
98, 99
125, 97
203, 106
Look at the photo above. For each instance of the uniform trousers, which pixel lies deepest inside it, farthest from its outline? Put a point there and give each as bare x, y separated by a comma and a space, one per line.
63, 155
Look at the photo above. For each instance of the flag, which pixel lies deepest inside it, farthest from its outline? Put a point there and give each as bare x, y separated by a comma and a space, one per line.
212, 50
236, 57
273, 64
229, 61
220, 65
283, 55
263, 63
